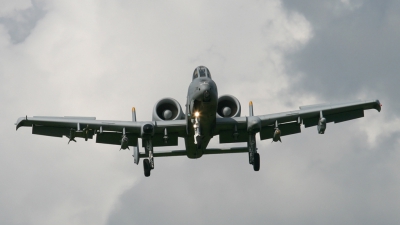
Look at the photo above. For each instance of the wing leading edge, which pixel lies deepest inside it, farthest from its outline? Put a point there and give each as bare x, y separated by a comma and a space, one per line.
230, 130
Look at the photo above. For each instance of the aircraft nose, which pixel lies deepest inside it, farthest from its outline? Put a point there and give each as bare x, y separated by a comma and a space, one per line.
204, 91
205, 87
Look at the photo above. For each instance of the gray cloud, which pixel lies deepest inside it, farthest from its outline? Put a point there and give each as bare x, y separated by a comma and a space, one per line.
302, 181
100, 59
310, 179
353, 51
21, 23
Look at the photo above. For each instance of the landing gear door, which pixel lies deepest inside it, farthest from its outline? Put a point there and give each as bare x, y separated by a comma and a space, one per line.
136, 155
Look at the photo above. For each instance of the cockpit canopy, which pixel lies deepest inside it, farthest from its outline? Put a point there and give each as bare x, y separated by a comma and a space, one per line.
201, 71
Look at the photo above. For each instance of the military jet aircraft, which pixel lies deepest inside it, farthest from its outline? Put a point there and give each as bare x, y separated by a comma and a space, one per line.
206, 116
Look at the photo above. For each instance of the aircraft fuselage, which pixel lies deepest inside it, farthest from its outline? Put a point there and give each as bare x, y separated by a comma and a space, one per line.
202, 100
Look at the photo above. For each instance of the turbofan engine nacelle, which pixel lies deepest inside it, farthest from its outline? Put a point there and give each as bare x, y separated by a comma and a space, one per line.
228, 106
167, 109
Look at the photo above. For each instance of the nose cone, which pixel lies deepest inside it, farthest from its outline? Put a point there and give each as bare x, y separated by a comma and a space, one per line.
204, 92
205, 86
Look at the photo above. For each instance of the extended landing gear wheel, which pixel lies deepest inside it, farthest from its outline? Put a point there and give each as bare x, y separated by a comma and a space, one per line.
198, 140
256, 163
146, 167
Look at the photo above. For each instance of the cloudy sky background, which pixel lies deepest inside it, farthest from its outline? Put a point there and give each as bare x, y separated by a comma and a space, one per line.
100, 58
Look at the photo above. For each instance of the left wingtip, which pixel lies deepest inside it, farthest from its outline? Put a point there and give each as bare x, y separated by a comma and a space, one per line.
19, 122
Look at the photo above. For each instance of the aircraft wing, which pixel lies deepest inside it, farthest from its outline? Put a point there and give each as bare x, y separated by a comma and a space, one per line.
108, 131
230, 130
233, 130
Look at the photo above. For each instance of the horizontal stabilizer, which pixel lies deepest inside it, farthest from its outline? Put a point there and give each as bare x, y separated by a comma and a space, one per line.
209, 151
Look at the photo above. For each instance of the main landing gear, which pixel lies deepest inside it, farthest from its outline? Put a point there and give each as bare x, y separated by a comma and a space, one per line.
147, 168
253, 123
256, 163
148, 164
254, 157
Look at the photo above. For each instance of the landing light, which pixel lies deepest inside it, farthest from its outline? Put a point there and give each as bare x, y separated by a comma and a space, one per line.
196, 114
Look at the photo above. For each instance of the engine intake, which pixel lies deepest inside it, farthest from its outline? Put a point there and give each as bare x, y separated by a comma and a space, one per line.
228, 106
167, 109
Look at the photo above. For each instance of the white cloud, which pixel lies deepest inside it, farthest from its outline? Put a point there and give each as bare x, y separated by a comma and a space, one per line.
9, 8
100, 58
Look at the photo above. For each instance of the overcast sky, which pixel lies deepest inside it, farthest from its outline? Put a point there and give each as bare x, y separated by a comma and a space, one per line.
100, 58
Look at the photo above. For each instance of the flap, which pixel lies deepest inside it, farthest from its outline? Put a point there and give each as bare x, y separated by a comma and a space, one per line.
114, 138
227, 136
58, 131
286, 129
50, 131
345, 116
337, 117
158, 140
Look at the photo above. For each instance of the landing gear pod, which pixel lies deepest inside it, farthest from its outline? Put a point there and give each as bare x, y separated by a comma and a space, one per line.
321, 126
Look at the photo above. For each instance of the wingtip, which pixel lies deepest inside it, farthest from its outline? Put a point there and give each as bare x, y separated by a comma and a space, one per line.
378, 105
19, 122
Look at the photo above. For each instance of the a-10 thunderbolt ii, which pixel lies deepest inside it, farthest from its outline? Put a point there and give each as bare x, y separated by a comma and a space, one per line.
206, 116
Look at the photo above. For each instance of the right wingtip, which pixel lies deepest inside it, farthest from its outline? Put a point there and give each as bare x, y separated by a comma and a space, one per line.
378, 105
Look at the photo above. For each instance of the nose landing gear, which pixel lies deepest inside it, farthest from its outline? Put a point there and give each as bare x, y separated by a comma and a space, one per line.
196, 126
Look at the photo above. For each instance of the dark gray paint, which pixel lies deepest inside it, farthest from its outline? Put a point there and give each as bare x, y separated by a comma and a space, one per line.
360, 177
202, 99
